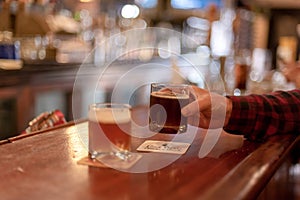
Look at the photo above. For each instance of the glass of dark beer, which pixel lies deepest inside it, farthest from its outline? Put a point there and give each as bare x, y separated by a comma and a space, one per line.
166, 101
109, 130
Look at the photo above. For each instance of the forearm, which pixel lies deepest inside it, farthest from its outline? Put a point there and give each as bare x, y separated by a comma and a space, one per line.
297, 83
259, 116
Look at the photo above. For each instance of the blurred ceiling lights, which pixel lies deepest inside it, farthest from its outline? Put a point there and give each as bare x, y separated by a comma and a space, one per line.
130, 11
275, 3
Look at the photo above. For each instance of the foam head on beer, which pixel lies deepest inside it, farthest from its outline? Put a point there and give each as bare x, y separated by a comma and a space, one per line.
110, 115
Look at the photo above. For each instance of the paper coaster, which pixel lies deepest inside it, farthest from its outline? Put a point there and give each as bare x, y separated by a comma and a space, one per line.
91, 162
110, 161
164, 147
117, 163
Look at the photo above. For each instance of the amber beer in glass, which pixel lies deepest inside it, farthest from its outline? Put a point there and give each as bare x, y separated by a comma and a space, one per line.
109, 128
166, 101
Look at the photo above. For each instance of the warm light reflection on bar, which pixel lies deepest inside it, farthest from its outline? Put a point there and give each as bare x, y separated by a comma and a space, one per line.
86, 1
75, 147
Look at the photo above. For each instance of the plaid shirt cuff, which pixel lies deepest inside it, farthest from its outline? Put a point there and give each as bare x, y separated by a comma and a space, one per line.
260, 116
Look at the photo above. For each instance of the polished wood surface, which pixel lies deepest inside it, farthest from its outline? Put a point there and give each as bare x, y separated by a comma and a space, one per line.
44, 166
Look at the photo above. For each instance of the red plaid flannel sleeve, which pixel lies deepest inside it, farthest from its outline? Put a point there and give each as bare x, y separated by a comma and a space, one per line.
260, 116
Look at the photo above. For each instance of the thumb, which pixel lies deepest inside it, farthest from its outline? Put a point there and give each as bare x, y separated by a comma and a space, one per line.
190, 109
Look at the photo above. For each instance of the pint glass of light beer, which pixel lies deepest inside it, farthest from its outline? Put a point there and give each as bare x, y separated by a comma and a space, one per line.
109, 129
166, 101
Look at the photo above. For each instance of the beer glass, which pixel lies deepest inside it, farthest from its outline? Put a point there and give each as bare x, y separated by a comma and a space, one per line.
166, 101
109, 130
241, 69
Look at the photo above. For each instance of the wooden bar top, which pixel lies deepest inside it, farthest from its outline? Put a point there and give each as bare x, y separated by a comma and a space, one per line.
44, 166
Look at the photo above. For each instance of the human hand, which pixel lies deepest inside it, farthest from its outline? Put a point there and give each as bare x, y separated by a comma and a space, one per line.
207, 110
292, 73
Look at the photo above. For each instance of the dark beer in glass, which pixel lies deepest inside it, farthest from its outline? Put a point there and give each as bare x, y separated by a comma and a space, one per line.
166, 101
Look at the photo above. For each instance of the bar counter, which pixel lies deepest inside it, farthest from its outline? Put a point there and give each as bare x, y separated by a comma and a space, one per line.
44, 165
